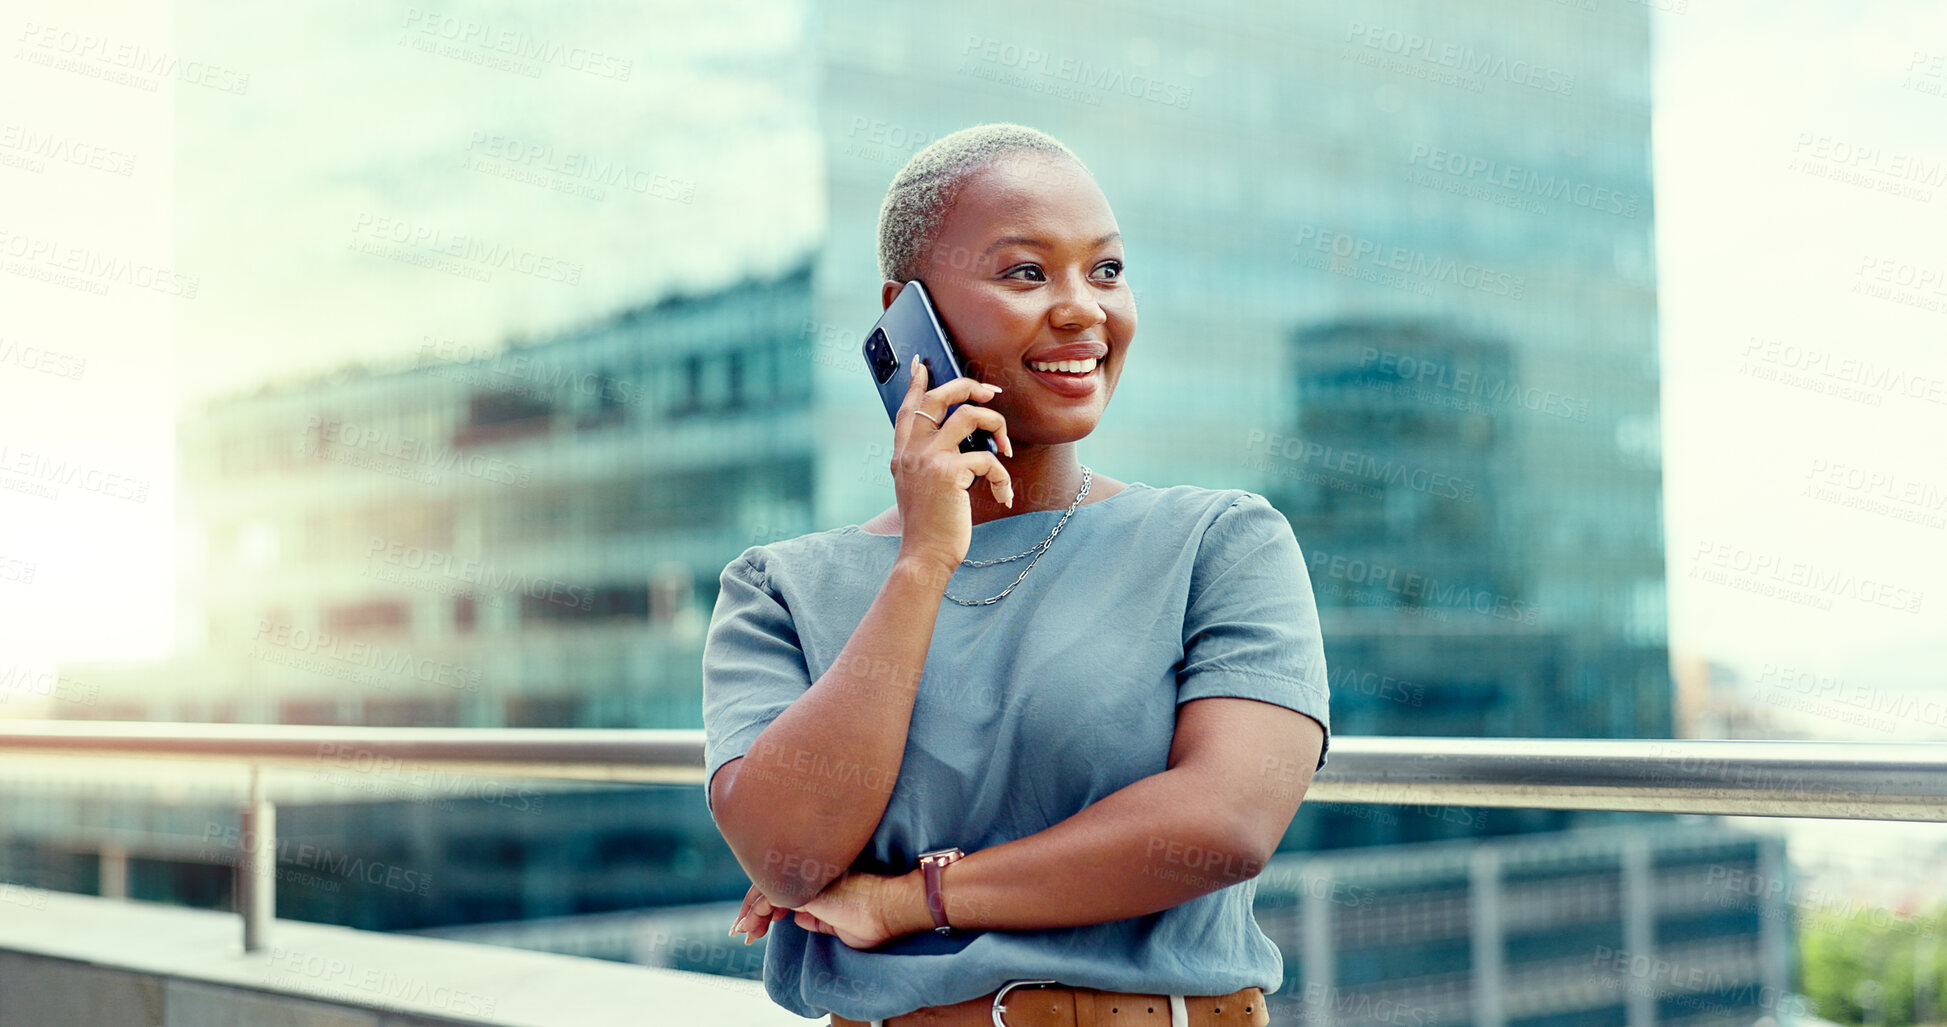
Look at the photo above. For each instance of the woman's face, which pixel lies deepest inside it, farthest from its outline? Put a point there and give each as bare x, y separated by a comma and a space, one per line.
1027, 269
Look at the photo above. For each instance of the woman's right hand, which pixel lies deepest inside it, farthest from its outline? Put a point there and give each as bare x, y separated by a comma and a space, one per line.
931, 475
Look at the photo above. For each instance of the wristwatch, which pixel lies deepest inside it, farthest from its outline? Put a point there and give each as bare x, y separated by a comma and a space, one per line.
930, 865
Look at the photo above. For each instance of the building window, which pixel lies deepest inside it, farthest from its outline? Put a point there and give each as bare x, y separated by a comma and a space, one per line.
545, 711
587, 605
736, 374
307, 711
366, 618
503, 416
411, 712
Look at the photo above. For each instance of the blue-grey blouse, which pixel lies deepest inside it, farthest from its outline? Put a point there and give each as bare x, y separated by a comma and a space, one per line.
1029, 710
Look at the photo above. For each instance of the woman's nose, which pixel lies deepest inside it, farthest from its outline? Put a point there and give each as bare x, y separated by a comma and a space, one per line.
1074, 308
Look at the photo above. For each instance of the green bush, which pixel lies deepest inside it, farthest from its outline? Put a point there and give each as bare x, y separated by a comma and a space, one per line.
1857, 966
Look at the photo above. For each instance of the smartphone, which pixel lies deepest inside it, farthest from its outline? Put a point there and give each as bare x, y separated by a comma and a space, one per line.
911, 325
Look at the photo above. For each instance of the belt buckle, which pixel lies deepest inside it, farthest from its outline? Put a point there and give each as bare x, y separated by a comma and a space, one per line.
1000, 1007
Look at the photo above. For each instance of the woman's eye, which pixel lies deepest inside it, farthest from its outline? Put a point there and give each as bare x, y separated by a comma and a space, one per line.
1114, 266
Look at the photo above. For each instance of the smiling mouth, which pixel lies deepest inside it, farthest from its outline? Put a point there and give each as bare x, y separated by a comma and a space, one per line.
1070, 368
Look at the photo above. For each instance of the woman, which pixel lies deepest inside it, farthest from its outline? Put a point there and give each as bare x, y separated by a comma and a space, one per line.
1114, 718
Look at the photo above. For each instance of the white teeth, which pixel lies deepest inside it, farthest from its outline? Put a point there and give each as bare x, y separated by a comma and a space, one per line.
1071, 366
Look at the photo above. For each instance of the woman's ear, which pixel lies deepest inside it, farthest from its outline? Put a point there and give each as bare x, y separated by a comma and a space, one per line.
889, 292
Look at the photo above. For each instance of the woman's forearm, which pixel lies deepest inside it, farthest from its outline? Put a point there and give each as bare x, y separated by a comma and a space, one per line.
1147, 847
807, 796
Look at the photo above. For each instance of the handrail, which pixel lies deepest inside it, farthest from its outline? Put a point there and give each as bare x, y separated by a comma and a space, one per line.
1850, 780
1843, 780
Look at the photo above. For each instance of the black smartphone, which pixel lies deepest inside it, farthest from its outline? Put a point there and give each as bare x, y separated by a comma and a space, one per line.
911, 325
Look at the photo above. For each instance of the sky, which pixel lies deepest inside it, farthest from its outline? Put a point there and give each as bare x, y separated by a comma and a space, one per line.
1800, 209
1799, 156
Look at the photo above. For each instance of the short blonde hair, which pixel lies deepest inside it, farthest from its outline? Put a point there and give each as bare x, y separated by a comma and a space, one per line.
917, 200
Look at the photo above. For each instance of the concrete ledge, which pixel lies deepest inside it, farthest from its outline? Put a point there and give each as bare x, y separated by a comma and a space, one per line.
79, 961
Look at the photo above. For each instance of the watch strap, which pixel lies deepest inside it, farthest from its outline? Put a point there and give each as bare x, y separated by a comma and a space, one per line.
932, 866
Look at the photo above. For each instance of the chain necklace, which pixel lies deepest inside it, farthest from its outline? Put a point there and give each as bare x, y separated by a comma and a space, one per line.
1038, 549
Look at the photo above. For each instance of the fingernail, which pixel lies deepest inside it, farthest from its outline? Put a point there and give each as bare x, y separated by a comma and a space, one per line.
738, 926
1008, 497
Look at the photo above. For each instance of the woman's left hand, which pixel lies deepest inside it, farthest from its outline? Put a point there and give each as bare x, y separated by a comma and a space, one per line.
756, 916
859, 909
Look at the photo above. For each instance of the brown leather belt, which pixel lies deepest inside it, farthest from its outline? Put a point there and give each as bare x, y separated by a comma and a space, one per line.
1059, 1005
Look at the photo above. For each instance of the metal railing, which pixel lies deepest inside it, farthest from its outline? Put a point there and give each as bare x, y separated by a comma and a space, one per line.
1842, 780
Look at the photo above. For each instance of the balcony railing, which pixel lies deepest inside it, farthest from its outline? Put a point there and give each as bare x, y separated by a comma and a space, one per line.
1841, 780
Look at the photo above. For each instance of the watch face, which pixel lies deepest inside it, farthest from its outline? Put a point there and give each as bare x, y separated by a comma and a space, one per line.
941, 856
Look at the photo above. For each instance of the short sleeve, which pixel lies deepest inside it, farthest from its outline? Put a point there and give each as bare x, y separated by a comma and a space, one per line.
1251, 627
753, 667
